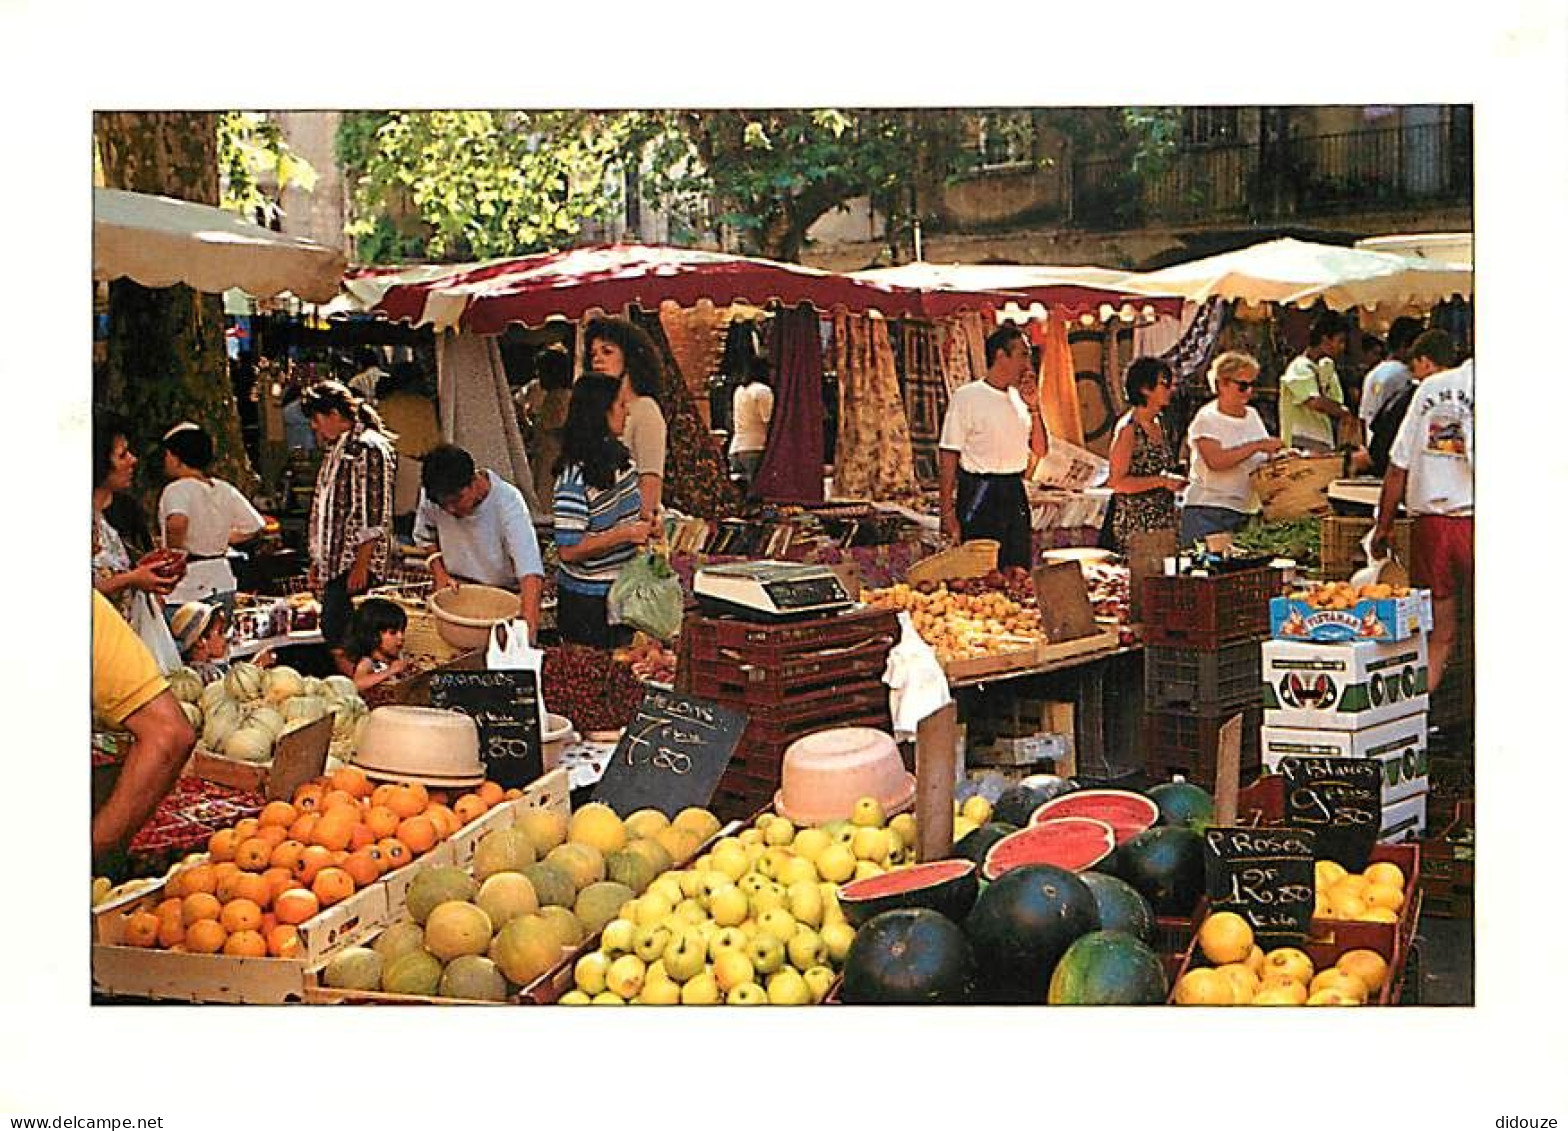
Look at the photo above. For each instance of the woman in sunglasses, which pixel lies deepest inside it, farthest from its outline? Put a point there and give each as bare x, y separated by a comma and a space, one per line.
1144, 472
1228, 442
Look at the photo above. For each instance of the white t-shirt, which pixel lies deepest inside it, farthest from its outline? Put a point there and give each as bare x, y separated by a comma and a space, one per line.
752, 408
1385, 382
1436, 442
1302, 380
645, 435
1231, 488
213, 510
496, 545
988, 428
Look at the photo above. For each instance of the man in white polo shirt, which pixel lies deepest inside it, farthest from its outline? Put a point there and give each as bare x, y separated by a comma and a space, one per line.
481, 525
991, 437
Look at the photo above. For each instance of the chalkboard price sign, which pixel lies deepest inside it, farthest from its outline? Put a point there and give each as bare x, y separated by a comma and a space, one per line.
1266, 877
505, 707
1341, 799
671, 754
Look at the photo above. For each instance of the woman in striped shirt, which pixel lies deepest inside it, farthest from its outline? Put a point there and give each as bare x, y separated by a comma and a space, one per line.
597, 528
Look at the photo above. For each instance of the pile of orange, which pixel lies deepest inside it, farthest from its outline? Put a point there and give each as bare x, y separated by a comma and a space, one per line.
267, 874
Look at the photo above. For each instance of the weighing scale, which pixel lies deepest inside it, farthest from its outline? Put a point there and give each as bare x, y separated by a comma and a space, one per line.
769, 591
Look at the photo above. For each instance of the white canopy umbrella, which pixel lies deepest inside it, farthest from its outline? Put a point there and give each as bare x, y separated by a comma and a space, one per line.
158, 241
1444, 247
1070, 291
1300, 273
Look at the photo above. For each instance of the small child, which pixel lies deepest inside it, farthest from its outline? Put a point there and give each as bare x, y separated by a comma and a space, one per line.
375, 642
202, 632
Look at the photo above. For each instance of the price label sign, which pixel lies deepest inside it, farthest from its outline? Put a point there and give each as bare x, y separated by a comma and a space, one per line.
1265, 876
505, 706
671, 754
1340, 799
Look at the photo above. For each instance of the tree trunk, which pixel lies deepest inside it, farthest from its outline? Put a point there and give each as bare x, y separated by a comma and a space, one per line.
166, 358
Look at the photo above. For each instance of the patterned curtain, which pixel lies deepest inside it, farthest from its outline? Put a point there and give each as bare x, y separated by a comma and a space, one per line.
791, 469
963, 348
1059, 406
875, 459
696, 339
924, 388
696, 472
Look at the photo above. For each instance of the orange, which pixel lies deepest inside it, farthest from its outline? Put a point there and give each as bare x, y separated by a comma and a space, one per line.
311, 861
279, 813
382, 793
394, 852
295, 905
253, 855
244, 830
268, 921
221, 845
339, 799
408, 800
245, 944
334, 830
332, 885
469, 807
174, 886
491, 793
338, 857
1225, 937
170, 906
255, 887
443, 819
1385, 872
307, 798
171, 931
141, 928
303, 826
513, 794
228, 884
278, 880
360, 837
283, 941
198, 877
419, 833
285, 854
205, 936
381, 821
440, 797
200, 905
274, 835
352, 781
240, 915
1383, 895
363, 867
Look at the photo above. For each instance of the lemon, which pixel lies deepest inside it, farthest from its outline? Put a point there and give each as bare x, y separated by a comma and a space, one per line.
976, 809
1385, 872
836, 863
1225, 937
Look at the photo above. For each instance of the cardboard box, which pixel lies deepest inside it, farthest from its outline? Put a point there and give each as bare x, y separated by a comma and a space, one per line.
1347, 686
1023, 751
1400, 746
1395, 618
1404, 820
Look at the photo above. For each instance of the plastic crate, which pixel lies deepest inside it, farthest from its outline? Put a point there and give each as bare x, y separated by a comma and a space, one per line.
767, 685
1339, 544
1229, 676
1187, 743
1207, 612
774, 643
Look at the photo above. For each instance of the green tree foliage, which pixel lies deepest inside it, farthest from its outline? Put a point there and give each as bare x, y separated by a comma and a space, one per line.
252, 153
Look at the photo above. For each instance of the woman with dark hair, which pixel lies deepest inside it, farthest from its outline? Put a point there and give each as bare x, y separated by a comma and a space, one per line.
350, 529
623, 350
203, 516
136, 591
1143, 460
597, 522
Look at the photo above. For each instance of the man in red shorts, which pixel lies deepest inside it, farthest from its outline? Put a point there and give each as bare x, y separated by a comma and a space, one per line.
1431, 468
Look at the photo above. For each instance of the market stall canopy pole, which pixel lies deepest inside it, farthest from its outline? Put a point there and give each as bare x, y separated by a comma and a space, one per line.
158, 241
936, 767
1301, 273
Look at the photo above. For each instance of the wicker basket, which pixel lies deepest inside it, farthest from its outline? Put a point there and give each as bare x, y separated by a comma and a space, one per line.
1296, 486
973, 559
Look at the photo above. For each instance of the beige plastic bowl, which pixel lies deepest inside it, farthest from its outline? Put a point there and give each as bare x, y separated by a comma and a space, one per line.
421, 744
465, 615
558, 735
825, 773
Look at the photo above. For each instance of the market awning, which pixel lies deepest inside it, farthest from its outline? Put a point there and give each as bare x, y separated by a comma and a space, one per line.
158, 241
1300, 273
1070, 292
485, 298
1457, 248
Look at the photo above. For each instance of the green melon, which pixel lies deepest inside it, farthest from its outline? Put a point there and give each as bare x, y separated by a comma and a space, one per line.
502, 850
908, 956
563, 922
632, 869
1108, 968
525, 948
1165, 865
417, 972
1183, 804
399, 939
1121, 907
436, 886
1022, 923
598, 903
583, 862
505, 896
473, 978
357, 968
552, 884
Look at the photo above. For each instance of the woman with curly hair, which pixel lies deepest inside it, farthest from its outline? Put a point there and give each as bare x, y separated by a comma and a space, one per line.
597, 510
623, 350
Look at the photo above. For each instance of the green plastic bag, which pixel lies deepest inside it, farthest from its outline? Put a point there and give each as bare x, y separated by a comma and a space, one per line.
648, 596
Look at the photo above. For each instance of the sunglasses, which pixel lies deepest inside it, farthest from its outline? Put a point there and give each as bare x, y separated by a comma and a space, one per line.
1244, 386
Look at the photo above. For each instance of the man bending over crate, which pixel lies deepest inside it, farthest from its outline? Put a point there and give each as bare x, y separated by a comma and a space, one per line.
991, 436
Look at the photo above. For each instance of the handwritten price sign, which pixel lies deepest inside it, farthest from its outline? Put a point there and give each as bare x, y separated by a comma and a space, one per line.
1265, 876
671, 754
1341, 799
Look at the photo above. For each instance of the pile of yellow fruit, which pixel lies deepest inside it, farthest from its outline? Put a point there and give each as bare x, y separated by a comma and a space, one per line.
753, 921
961, 626
1242, 974
1375, 895
1343, 595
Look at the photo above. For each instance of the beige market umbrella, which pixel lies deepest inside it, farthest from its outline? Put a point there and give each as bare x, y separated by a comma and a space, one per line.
1443, 247
1301, 273
158, 241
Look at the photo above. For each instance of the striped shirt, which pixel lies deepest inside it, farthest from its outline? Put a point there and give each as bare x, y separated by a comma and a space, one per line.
353, 503
581, 510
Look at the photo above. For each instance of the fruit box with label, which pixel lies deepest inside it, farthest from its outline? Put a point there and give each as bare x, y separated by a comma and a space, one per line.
1391, 618
1348, 686
1400, 746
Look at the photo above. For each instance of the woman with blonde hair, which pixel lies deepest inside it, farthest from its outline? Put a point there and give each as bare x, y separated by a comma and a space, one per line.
1228, 441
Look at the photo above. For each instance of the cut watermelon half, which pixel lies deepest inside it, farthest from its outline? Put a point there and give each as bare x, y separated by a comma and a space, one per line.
1127, 813
947, 886
1072, 843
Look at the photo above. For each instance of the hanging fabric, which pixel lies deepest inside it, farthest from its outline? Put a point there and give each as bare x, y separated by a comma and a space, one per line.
696, 473
1059, 406
924, 390
791, 470
963, 348
696, 339
875, 460
477, 413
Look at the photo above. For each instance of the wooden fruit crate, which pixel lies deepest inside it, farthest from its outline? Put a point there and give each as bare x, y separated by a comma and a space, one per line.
974, 558
993, 663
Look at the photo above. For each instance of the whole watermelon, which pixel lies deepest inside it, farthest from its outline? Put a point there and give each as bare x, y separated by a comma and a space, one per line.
1120, 906
1022, 924
909, 956
1165, 865
1183, 804
975, 844
1108, 968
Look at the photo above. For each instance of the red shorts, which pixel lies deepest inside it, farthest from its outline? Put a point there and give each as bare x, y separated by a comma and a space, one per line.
1442, 554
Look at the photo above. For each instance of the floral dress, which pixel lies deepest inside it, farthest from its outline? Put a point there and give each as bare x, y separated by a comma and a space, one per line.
1145, 511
